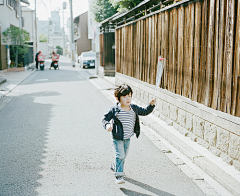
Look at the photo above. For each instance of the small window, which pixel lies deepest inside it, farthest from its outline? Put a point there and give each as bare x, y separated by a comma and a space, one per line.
1, 2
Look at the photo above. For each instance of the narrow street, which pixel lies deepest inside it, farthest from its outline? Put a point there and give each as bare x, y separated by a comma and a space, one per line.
53, 143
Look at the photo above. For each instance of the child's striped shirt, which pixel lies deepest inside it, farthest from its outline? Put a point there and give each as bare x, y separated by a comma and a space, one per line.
128, 121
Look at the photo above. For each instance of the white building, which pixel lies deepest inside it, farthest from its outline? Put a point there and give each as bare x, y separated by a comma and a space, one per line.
93, 30
28, 24
9, 16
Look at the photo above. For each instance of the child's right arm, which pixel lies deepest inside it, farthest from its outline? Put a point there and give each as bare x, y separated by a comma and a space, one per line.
106, 120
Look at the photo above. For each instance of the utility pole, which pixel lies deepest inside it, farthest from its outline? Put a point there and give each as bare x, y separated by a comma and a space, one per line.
64, 7
72, 36
20, 17
20, 26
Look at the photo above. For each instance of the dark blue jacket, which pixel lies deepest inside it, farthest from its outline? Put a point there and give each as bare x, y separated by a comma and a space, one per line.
117, 131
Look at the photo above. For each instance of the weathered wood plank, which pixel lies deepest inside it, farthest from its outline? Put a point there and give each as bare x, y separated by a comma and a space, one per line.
203, 52
152, 50
155, 51
175, 51
196, 66
163, 46
134, 49
186, 51
159, 30
147, 49
170, 51
220, 51
228, 54
190, 51
140, 49
180, 49
216, 69
209, 63
236, 70
166, 48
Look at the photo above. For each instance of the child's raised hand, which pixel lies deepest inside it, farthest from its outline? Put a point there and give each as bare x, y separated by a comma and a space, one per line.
153, 101
109, 127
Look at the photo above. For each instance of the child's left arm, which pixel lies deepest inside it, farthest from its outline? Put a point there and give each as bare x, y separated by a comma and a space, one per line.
147, 110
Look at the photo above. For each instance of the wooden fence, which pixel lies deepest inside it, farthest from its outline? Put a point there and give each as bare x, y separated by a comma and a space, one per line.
200, 41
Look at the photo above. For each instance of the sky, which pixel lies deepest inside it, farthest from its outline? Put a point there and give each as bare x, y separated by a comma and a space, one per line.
44, 8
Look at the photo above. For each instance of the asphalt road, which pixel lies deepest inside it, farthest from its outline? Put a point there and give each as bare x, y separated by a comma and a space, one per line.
53, 143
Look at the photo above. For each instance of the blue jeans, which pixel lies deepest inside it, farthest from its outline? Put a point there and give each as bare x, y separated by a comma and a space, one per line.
121, 148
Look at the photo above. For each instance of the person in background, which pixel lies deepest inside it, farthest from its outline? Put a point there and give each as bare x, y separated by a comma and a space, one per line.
36, 59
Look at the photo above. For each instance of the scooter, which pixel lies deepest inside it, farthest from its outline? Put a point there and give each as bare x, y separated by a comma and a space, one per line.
41, 59
41, 65
55, 59
55, 64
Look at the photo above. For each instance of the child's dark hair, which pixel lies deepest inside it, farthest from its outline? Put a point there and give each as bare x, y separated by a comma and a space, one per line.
122, 90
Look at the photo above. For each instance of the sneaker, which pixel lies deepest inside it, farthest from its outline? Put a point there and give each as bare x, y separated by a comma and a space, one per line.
112, 167
119, 180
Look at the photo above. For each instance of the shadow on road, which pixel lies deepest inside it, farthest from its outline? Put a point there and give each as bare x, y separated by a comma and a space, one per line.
144, 186
23, 136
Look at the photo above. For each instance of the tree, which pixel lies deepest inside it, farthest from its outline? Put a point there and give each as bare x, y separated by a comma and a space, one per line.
43, 37
102, 9
59, 50
125, 4
16, 38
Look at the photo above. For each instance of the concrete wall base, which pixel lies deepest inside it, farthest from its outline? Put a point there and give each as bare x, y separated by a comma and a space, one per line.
217, 131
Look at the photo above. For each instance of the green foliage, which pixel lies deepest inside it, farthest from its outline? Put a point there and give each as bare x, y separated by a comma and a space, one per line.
16, 38
59, 50
43, 37
103, 9
125, 4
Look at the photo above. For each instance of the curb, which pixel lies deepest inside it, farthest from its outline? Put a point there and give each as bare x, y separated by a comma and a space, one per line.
15, 85
218, 174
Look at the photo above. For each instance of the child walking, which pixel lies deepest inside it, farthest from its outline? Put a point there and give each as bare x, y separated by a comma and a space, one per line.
123, 121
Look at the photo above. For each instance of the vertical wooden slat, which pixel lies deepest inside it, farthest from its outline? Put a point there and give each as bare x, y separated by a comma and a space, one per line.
203, 52
137, 51
116, 50
123, 51
149, 48
143, 26
155, 61
185, 51
175, 51
163, 45
140, 49
188, 50
133, 50
209, 71
170, 51
166, 47
152, 50
126, 50
159, 30
216, 69
196, 50
220, 50
228, 54
236, 71
180, 50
